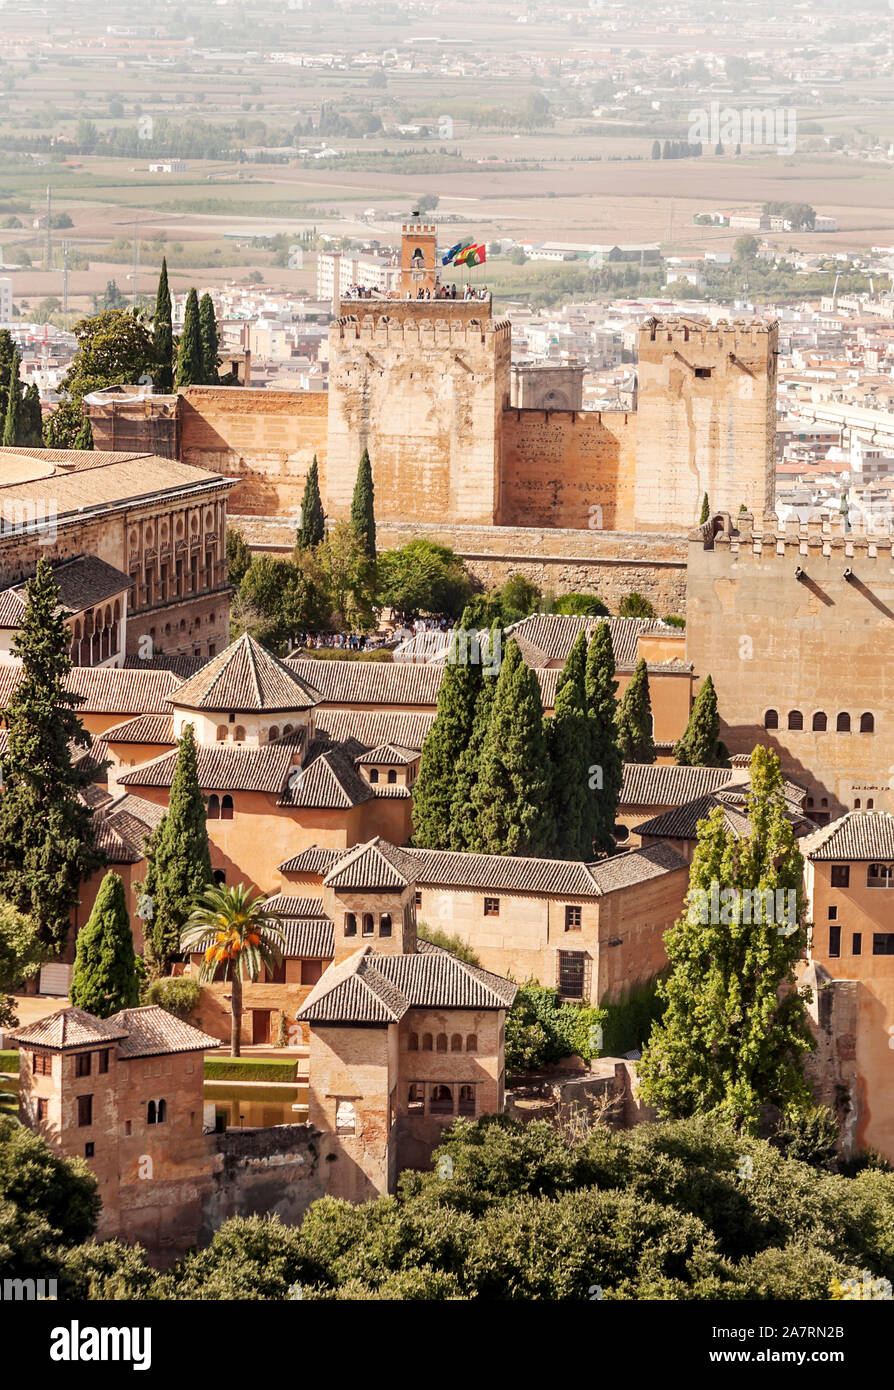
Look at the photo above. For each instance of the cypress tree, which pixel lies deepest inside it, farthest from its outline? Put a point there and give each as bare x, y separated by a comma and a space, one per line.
190, 359
179, 859
84, 437
700, 745
210, 339
105, 969
163, 333
462, 821
7, 352
606, 764
509, 800
706, 510
634, 719
32, 419
449, 734
313, 520
363, 517
568, 750
735, 1029
46, 830
12, 425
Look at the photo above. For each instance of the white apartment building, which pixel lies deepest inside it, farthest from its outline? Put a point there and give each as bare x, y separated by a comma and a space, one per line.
337, 272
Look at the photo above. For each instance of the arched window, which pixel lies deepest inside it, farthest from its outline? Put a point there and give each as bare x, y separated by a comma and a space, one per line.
221, 733
392, 775
219, 876
162, 1112
795, 719
350, 924
368, 926
213, 811
286, 730
385, 924
867, 724
273, 734
150, 1113
843, 723
857, 804
413, 1043
771, 719
374, 774
426, 1042
472, 1043
441, 1101
819, 722
870, 805
878, 876
416, 1097
442, 1042
226, 808
467, 1100
456, 1043
239, 733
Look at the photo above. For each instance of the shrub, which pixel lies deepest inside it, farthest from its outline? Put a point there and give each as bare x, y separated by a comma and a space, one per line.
178, 994
449, 941
586, 605
628, 1021
540, 1030
248, 1069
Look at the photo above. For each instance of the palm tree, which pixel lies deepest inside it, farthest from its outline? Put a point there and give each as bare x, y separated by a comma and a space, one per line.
235, 929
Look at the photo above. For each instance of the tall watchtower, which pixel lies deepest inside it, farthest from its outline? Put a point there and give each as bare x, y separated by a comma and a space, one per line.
418, 258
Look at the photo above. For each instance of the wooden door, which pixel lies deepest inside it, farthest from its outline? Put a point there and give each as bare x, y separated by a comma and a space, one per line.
260, 1025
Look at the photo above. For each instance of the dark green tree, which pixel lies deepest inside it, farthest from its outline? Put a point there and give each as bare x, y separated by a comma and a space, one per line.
706, 510
7, 352
634, 605
239, 556
634, 719
462, 823
46, 830
84, 437
606, 764
163, 333
313, 519
21, 954
363, 518
423, 577
105, 979
12, 422
210, 339
32, 419
568, 752
735, 1031
190, 356
445, 741
509, 801
178, 859
700, 745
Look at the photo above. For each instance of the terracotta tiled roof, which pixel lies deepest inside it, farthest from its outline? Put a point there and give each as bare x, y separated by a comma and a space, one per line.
635, 866
371, 729
371, 682
374, 865
857, 835
106, 689
372, 988
153, 1032
69, 1027
388, 753
182, 665
146, 728
123, 824
550, 636
246, 678
310, 938
315, 860
288, 906
681, 823
391, 791
648, 784
225, 769
328, 781
454, 869
97, 481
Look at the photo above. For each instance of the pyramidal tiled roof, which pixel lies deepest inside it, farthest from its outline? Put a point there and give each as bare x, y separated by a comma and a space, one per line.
374, 865
856, 835
246, 678
371, 988
388, 753
153, 1032
547, 637
70, 1027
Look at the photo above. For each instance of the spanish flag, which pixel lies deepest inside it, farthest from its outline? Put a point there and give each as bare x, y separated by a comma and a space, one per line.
455, 251
472, 255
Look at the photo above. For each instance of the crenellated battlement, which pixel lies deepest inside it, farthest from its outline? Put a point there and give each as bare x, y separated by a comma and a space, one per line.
822, 534
725, 335
415, 331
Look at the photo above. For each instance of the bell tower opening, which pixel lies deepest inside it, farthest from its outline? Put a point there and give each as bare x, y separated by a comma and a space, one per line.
418, 260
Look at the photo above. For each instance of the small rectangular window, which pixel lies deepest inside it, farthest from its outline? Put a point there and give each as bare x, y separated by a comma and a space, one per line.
572, 918
82, 1064
857, 944
43, 1106
841, 875
418, 899
834, 940
703, 371
103, 1061
833, 914
43, 1065
883, 943
88, 1150
85, 1111
491, 907
571, 974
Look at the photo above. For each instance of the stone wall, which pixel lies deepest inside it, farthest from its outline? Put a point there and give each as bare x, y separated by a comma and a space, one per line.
564, 468
607, 563
267, 439
279, 1170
